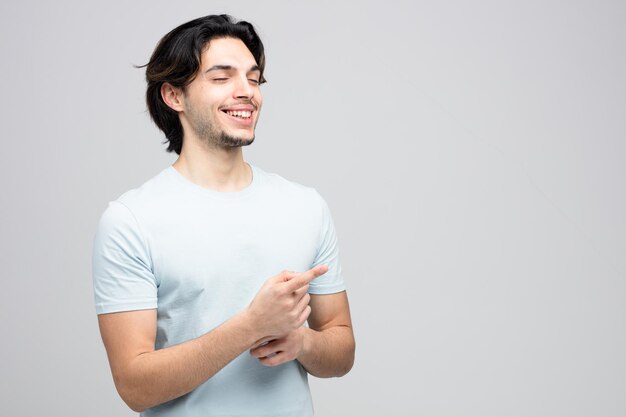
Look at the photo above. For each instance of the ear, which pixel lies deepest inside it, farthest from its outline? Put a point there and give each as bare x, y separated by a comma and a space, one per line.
172, 96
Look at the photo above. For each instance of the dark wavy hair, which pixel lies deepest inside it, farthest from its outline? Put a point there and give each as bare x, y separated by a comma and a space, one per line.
176, 60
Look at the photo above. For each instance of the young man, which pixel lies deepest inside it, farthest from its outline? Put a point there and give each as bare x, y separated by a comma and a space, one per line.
195, 315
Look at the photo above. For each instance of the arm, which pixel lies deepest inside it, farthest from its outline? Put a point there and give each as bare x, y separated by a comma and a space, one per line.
326, 348
145, 377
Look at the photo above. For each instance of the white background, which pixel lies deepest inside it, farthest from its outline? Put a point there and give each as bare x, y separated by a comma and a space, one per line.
472, 154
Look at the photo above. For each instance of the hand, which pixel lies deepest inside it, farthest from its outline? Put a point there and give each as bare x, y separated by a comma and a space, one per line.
282, 303
281, 350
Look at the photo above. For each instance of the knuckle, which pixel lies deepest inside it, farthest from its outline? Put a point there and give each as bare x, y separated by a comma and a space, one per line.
302, 290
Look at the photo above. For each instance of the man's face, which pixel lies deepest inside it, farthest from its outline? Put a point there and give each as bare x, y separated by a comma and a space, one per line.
222, 104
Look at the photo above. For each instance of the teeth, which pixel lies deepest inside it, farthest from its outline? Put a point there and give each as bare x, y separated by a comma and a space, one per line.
243, 114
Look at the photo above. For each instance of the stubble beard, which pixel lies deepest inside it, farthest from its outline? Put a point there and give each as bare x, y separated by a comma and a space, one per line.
225, 140
212, 136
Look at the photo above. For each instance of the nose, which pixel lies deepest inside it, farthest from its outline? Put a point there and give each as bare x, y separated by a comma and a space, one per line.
243, 89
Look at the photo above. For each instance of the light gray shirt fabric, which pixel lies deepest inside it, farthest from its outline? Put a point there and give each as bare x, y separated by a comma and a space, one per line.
199, 257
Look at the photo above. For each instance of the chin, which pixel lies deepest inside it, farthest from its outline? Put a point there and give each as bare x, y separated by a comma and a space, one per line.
235, 141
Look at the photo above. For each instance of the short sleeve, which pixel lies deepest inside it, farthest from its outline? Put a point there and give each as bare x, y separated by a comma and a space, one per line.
327, 254
122, 269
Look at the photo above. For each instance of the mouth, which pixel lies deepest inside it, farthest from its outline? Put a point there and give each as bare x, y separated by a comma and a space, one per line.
242, 114
239, 114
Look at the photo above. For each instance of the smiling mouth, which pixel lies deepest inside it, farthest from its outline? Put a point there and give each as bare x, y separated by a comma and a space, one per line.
240, 114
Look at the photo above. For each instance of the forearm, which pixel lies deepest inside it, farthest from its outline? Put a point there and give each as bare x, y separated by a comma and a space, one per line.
327, 353
165, 374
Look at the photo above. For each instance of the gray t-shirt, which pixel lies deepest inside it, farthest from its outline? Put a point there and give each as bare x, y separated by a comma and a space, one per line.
199, 257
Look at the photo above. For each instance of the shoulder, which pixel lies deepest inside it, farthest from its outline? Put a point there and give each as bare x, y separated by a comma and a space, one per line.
300, 198
148, 193
132, 209
289, 189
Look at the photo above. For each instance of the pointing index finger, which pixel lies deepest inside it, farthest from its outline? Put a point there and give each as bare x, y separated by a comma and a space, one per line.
306, 277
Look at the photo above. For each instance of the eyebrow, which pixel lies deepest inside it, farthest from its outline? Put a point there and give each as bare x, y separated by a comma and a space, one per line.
229, 68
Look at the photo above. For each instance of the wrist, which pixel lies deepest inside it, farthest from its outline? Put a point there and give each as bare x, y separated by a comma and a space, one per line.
306, 334
249, 326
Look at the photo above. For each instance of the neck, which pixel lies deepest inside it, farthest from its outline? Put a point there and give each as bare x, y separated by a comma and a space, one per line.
218, 169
